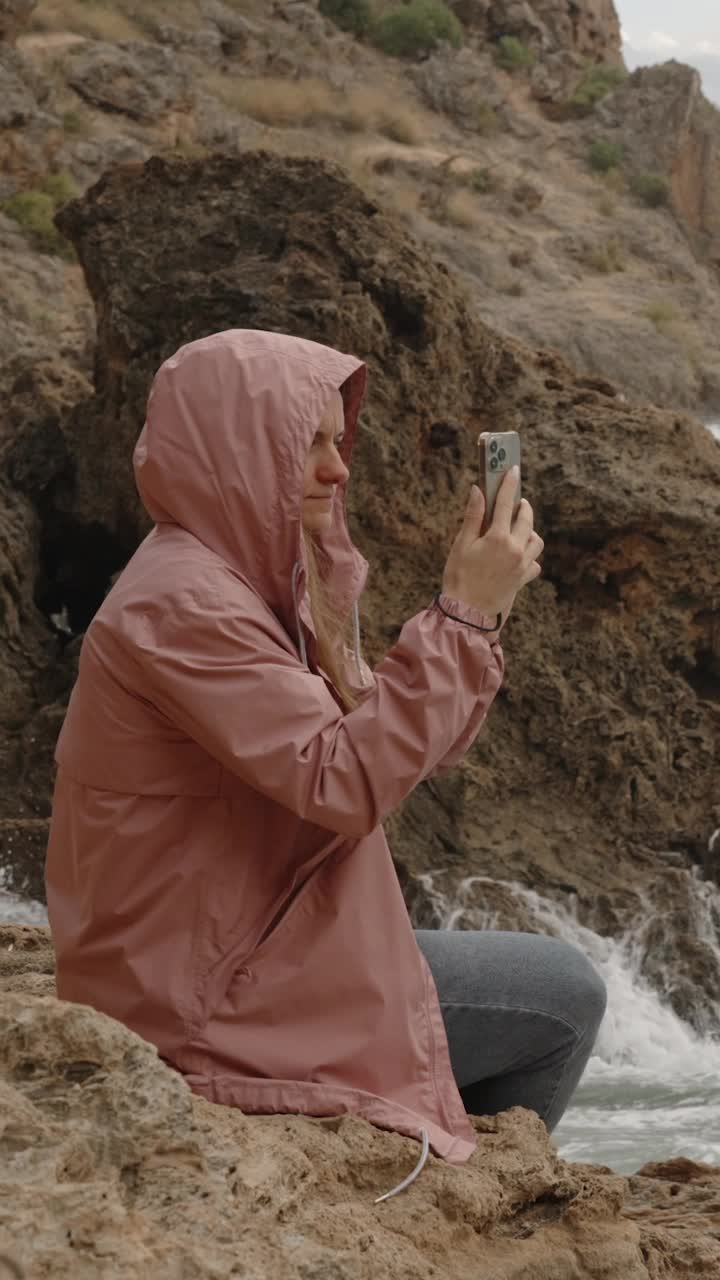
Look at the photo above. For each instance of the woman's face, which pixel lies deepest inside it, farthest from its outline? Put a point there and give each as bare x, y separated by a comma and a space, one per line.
324, 468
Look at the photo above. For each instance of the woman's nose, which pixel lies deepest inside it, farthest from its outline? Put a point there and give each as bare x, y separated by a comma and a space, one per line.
334, 467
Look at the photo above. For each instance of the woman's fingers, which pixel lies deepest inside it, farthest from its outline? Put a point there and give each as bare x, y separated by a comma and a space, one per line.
504, 502
523, 522
534, 546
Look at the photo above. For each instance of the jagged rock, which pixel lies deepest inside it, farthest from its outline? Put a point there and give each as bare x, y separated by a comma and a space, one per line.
18, 103
462, 84
305, 18
37, 392
206, 44
111, 1168
667, 126
143, 81
235, 31
14, 16
590, 29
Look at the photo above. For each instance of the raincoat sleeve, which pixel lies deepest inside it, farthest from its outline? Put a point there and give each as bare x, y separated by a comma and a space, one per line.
224, 672
460, 748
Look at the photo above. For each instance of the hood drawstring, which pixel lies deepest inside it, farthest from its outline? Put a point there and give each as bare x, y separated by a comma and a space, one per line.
356, 640
411, 1176
298, 623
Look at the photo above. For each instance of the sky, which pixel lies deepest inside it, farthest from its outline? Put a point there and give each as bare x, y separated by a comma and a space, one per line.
687, 30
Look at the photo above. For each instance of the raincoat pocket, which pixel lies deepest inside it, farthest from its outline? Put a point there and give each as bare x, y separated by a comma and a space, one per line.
238, 962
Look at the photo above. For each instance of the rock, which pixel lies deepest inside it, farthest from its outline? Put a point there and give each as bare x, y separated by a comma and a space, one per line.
18, 103
666, 126
590, 29
205, 45
607, 667
142, 81
37, 391
14, 16
563, 36
462, 84
23, 842
306, 19
235, 31
109, 1162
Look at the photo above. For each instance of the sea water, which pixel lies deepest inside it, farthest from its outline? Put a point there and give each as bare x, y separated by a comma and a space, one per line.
651, 1089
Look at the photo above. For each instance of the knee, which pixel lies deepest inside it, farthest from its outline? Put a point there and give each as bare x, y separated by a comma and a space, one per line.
586, 991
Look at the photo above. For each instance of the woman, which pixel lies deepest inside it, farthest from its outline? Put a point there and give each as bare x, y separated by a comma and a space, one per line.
218, 877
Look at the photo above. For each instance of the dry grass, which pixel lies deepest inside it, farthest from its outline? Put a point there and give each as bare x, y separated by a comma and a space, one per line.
117, 19
366, 109
615, 181
671, 322
273, 100
606, 258
666, 318
607, 204
461, 210
95, 19
403, 198
285, 104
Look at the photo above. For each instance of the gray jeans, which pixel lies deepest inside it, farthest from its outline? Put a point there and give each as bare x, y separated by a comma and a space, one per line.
521, 1012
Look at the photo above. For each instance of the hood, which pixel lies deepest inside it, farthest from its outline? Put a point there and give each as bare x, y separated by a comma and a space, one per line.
230, 419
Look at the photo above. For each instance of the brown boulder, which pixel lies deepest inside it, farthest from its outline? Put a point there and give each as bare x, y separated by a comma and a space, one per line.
113, 1169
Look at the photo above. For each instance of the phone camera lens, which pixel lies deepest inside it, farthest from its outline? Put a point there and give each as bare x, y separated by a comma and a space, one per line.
494, 464
493, 446
502, 455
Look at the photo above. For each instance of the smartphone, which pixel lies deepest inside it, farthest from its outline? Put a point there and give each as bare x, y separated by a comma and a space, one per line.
499, 451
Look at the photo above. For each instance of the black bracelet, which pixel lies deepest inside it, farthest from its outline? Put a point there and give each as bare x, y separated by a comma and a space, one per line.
497, 626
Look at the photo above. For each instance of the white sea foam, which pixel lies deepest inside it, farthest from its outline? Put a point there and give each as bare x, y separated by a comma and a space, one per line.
652, 1087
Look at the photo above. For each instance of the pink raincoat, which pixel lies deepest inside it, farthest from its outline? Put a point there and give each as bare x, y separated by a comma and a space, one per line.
218, 878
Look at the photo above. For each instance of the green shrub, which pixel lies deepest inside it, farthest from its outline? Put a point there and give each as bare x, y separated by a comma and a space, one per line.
74, 122
416, 28
350, 15
597, 82
665, 316
481, 180
33, 211
606, 258
512, 54
604, 155
486, 119
60, 187
651, 188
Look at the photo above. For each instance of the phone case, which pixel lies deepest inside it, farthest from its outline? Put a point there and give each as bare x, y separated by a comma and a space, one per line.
499, 451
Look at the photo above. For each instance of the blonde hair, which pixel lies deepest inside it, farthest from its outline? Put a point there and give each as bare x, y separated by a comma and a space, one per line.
332, 633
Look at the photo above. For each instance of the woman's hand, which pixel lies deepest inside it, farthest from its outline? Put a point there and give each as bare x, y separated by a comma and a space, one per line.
486, 572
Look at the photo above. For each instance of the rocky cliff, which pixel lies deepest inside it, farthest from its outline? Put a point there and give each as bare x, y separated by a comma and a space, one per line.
472, 220
111, 1170
666, 126
599, 756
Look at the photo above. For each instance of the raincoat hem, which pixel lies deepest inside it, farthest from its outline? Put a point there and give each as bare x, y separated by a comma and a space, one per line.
255, 1096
